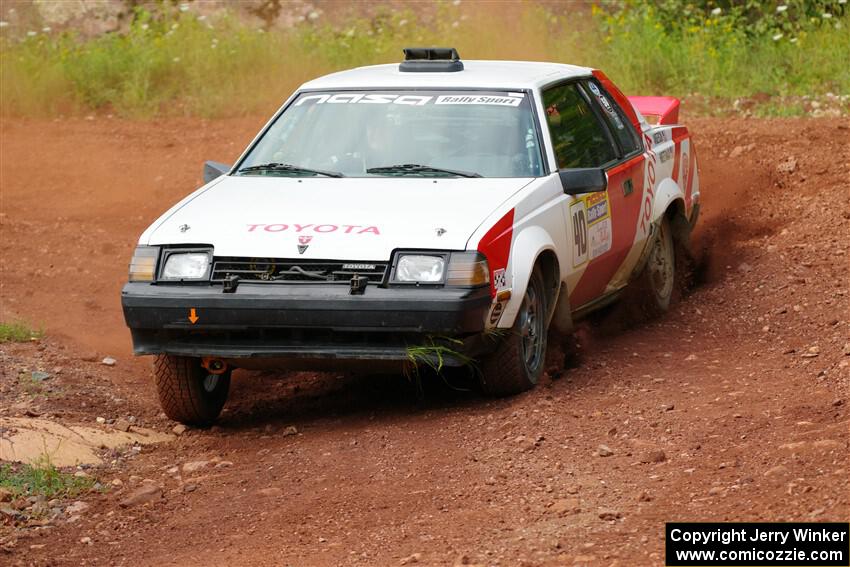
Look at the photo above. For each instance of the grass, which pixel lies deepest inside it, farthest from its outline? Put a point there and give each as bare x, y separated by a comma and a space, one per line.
174, 63
433, 355
780, 110
42, 479
18, 332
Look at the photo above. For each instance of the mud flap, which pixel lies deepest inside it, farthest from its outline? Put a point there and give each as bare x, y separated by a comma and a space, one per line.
561, 317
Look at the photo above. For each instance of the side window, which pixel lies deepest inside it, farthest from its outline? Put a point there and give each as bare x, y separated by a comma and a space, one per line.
578, 137
617, 121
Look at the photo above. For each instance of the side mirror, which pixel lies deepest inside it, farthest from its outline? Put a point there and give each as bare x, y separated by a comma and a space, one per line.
583, 180
214, 169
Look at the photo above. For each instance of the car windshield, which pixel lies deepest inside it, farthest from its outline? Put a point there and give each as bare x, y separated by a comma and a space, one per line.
404, 133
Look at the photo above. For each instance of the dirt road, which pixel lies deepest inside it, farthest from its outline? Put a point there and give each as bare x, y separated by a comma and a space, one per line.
734, 407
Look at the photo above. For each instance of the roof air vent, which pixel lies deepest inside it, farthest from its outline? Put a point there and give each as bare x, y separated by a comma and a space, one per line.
430, 60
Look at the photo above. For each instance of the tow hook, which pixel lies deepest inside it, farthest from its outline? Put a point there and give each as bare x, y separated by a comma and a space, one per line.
214, 365
358, 285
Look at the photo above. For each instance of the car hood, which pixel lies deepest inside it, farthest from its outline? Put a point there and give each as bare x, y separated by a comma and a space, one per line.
329, 218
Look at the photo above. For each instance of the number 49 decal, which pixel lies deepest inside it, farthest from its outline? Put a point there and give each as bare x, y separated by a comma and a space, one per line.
578, 218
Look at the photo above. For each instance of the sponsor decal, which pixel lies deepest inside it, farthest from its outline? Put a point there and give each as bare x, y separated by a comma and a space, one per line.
598, 224
597, 207
625, 106
315, 228
510, 99
482, 99
665, 155
603, 101
363, 98
650, 186
599, 237
659, 137
499, 279
498, 308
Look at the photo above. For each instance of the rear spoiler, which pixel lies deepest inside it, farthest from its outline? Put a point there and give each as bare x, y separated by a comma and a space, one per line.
657, 109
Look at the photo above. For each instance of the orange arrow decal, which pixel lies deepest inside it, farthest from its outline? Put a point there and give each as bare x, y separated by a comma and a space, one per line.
193, 317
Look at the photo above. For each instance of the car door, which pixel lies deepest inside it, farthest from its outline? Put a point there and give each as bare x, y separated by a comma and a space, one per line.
602, 225
625, 195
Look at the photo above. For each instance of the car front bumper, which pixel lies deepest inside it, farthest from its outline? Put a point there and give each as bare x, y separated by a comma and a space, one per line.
315, 321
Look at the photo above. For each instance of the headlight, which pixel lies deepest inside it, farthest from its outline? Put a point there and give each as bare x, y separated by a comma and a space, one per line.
143, 264
468, 268
451, 268
186, 266
420, 268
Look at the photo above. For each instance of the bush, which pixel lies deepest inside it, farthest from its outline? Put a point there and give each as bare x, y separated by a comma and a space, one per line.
173, 62
728, 49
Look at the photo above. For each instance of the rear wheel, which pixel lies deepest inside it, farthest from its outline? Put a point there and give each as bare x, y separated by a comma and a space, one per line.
188, 393
517, 363
657, 282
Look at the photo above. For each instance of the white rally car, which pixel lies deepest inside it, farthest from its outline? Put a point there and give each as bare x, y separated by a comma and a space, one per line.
436, 208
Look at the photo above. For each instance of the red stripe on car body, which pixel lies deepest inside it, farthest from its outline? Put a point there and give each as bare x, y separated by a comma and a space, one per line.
676, 159
496, 246
679, 133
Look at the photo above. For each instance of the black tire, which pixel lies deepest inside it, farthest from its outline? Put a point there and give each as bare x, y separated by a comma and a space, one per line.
658, 282
187, 392
517, 363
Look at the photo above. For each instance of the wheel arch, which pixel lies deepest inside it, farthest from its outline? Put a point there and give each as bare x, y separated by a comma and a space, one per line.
532, 247
670, 203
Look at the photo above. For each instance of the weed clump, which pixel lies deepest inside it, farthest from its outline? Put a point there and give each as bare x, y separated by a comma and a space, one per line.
18, 332
42, 479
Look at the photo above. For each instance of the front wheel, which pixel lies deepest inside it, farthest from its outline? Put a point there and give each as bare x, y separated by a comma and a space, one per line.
187, 392
517, 363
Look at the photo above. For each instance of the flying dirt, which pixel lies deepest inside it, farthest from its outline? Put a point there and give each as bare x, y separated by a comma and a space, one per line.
733, 407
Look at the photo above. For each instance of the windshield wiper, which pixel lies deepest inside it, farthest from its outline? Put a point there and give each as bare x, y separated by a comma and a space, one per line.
289, 168
415, 168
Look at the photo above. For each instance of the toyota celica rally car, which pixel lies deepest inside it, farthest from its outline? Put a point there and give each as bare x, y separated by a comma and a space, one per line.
459, 206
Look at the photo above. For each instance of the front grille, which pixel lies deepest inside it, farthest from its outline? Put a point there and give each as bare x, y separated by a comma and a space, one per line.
275, 270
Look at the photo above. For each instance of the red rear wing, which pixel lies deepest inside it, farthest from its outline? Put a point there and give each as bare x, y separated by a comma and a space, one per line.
657, 109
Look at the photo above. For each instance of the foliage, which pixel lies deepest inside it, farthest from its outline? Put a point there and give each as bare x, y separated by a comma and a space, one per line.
42, 479
171, 61
752, 18
727, 49
18, 332
169, 64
